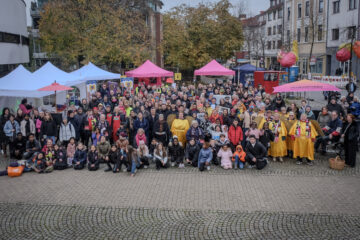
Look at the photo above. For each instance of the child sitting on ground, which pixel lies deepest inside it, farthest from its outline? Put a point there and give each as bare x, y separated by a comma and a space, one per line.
161, 159
93, 159
70, 151
60, 160
225, 155
79, 160
39, 164
239, 157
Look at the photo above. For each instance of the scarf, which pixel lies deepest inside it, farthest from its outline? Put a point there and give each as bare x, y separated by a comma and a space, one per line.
276, 128
307, 129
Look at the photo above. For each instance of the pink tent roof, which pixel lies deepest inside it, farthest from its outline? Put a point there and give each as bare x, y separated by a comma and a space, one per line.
305, 86
214, 68
148, 69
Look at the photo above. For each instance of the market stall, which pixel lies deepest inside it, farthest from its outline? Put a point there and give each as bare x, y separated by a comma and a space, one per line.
245, 73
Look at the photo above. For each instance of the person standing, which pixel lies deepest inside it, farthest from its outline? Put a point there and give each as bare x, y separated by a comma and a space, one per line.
11, 129
350, 133
278, 148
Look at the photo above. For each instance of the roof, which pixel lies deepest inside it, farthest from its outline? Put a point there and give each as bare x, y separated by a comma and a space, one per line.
148, 69
92, 72
214, 68
248, 68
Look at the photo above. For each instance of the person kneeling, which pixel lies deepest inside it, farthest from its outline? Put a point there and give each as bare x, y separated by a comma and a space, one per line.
239, 157
192, 152
79, 157
60, 159
255, 153
93, 159
161, 159
205, 156
225, 155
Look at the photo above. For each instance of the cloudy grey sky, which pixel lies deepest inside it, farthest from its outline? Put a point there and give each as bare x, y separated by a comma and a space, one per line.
255, 6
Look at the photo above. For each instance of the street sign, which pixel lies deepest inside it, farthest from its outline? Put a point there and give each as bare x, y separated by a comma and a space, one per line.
177, 76
312, 60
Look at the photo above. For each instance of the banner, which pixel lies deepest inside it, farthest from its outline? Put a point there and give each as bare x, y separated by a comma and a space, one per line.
218, 97
127, 82
90, 87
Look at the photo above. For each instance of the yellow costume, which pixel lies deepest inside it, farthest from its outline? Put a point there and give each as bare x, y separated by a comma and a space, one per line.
289, 140
278, 146
179, 128
305, 135
264, 120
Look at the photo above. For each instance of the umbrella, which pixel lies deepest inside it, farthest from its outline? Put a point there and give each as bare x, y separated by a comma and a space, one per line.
169, 80
305, 86
55, 87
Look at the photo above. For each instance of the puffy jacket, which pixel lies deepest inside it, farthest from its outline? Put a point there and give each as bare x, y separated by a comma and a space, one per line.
235, 135
192, 151
205, 155
176, 150
93, 158
80, 156
103, 149
49, 128
239, 153
66, 132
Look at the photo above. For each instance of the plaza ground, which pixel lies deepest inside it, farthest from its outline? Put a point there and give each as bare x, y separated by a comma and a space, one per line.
283, 201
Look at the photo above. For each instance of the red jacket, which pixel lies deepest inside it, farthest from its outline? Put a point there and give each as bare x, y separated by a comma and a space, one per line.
235, 135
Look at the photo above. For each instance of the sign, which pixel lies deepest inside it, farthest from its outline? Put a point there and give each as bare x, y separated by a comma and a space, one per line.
177, 76
127, 82
91, 87
312, 60
218, 97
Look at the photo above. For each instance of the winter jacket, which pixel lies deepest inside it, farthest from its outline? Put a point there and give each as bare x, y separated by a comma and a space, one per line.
93, 158
70, 150
9, 127
334, 127
225, 158
324, 119
336, 107
195, 133
266, 137
205, 155
66, 132
144, 124
80, 156
258, 151
103, 149
192, 151
176, 150
239, 152
49, 128
235, 135
31, 127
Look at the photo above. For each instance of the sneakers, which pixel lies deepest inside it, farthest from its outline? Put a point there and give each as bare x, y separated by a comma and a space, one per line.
251, 166
281, 159
181, 165
145, 166
310, 163
235, 167
173, 164
208, 168
124, 170
274, 159
298, 162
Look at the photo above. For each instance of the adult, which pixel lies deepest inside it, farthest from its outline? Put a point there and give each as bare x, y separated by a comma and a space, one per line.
256, 153
332, 132
350, 133
143, 123
27, 126
161, 130
278, 148
324, 117
334, 106
194, 132
11, 129
48, 128
3, 139
179, 128
25, 107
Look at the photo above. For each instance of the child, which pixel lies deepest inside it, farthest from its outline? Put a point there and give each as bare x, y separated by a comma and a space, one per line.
140, 136
60, 160
266, 135
239, 157
221, 142
39, 164
191, 152
205, 157
103, 149
93, 159
70, 151
176, 152
143, 155
121, 159
253, 130
79, 160
225, 154
122, 130
160, 156
113, 157
95, 136
152, 148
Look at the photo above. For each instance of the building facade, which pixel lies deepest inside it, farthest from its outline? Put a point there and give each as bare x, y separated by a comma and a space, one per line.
343, 27
14, 41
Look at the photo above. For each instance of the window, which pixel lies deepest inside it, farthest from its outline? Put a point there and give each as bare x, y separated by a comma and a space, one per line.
279, 44
280, 13
317, 67
298, 35
352, 4
274, 30
335, 34
272, 3
307, 8
268, 45
321, 6
274, 15
269, 31
299, 10
288, 14
279, 29
269, 17
351, 32
336, 6
320, 32
288, 35
274, 44
25, 40
9, 38
306, 34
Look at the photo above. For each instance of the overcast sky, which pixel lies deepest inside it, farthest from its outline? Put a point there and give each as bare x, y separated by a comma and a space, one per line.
255, 6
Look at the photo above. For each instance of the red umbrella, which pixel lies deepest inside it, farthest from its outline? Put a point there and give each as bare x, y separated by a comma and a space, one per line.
55, 87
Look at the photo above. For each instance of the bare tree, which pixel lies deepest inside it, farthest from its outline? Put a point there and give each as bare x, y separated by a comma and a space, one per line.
241, 8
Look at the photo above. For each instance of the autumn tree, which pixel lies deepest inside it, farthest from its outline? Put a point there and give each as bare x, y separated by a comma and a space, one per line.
195, 35
101, 31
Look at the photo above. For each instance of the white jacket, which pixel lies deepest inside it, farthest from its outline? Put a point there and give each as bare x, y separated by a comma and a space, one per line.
66, 132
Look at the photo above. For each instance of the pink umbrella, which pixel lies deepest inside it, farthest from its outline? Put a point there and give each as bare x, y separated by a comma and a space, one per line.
305, 86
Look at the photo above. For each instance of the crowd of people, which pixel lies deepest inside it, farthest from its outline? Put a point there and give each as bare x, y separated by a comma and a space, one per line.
224, 124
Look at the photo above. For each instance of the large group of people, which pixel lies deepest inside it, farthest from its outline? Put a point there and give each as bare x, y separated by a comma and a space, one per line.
224, 124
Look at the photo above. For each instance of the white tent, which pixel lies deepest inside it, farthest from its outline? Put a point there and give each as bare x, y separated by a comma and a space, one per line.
48, 74
92, 72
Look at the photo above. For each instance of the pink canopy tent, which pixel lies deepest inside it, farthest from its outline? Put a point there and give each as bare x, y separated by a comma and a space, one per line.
305, 86
214, 68
148, 70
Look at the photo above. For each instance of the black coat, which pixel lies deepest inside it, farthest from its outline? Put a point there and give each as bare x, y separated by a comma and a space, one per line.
267, 137
258, 151
351, 134
176, 150
93, 158
49, 128
192, 151
164, 138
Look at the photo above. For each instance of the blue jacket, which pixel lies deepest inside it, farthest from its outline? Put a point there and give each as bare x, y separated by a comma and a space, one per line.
80, 156
355, 109
334, 126
205, 155
9, 127
144, 124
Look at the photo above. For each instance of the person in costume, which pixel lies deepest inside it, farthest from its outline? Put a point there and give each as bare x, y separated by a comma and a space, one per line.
179, 127
291, 119
267, 118
278, 147
304, 134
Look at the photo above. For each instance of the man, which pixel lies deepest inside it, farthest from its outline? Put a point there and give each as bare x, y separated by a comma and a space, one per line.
255, 153
19, 146
72, 120
334, 106
331, 131
32, 146
351, 87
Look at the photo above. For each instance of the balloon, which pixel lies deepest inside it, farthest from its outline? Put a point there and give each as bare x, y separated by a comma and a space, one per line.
343, 55
280, 55
356, 48
288, 60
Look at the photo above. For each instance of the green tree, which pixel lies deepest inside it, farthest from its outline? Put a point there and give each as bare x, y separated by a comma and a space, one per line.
195, 35
102, 31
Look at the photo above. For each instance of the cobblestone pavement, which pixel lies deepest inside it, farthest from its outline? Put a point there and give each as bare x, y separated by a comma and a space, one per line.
283, 201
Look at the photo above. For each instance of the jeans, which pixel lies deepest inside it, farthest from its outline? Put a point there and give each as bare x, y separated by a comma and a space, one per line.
238, 163
133, 166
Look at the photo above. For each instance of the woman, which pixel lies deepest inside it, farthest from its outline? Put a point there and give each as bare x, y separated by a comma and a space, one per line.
194, 132
38, 119
3, 139
324, 117
19, 116
67, 131
11, 129
278, 148
160, 156
48, 128
350, 133
25, 107
179, 128
161, 130
143, 123
27, 126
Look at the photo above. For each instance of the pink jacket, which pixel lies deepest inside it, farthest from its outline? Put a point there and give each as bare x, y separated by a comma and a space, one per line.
24, 109
255, 132
139, 138
225, 158
70, 151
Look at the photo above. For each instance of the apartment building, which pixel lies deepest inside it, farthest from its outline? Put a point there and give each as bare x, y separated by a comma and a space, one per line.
343, 27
